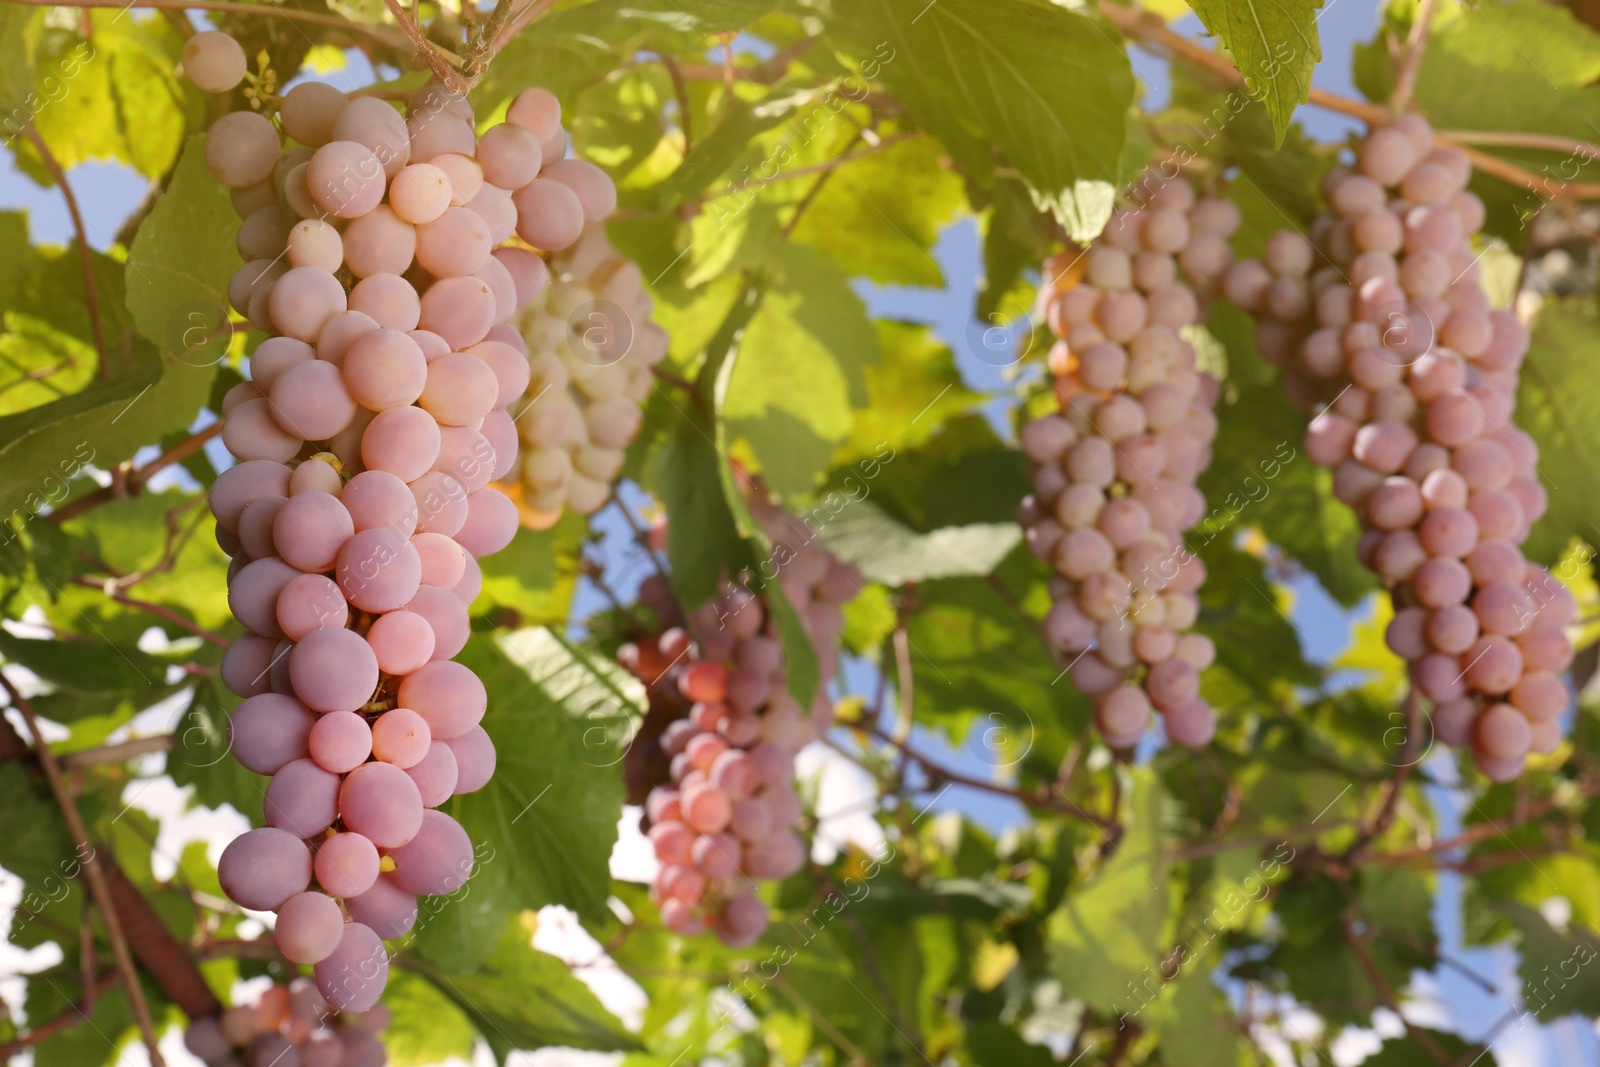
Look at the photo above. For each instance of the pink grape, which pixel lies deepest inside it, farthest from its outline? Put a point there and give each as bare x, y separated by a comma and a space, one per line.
390, 911
378, 500
382, 803
459, 390
379, 242
214, 61
456, 243
253, 594
549, 214
309, 927
241, 149
378, 571
459, 309
262, 868
446, 694
302, 798
400, 737
309, 529
309, 400
371, 121
385, 369
595, 190
251, 433
437, 860
309, 111
420, 193
440, 503
333, 670
445, 615
352, 977
402, 441
310, 602
390, 300
346, 864
402, 642
269, 730
244, 665
474, 758
436, 774
340, 741
303, 300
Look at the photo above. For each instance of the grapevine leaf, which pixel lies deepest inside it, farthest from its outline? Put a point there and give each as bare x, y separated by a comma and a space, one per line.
888, 551
1558, 403
982, 74
1275, 46
1556, 980
521, 998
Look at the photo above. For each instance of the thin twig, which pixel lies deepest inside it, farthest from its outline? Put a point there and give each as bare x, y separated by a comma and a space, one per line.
377, 33
121, 752
137, 481
160, 611
91, 288
70, 1016
818, 168
1405, 81
98, 887
681, 91
1386, 995
431, 54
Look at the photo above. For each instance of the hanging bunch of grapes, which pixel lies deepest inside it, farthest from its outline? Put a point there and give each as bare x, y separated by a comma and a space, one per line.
289, 1026
591, 347
722, 815
1383, 322
387, 256
1114, 473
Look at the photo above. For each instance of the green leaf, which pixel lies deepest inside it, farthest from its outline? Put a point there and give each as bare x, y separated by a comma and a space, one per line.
1006, 74
425, 1025
878, 217
559, 716
1558, 404
888, 551
1274, 45
521, 998
1556, 978
993, 1044
703, 544
200, 757
87, 666
34, 844
800, 369
912, 392
1105, 938
180, 263
1410, 1050
536, 575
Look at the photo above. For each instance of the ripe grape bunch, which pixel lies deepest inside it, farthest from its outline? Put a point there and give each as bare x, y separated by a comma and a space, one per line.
1114, 473
591, 348
289, 1026
373, 422
725, 818
1416, 377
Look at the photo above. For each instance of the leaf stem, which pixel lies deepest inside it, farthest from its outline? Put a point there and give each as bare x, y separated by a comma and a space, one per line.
99, 887
1405, 82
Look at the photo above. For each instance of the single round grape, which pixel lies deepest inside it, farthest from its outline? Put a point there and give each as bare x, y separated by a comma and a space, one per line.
549, 214
241, 149
390, 300
456, 243
446, 694
385, 369
378, 500
310, 602
333, 670
264, 234
302, 798
1122, 715
594, 188
340, 741
309, 111
441, 503
382, 803
390, 911
1493, 665
402, 642
510, 155
352, 977
464, 174
447, 615
461, 310
379, 242
438, 860
347, 864
214, 61
1453, 629
309, 400
274, 356
378, 571
1502, 733
251, 432
420, 193
309, 529
1504, 608
1172, 684
244, 665
371, 121
400, 737
255, 526
537, 111
435, 774
269, 730
308, 927
253, 594
491, 523
474, 759
262, 868
497, 210
302, 301
402, 441
466, 455
345, 179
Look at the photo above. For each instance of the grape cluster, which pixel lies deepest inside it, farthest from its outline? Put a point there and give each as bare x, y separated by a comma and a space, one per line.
591, 348
1114, 473
724, 817
289, 1026
1413, 375
366, 438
